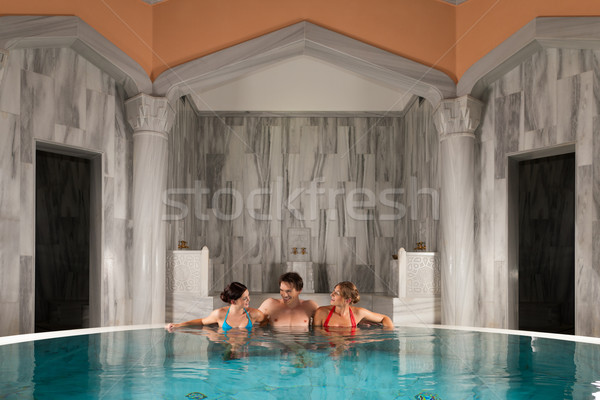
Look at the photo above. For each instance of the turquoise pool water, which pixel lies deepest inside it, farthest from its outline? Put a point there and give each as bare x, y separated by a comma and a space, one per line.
370, 363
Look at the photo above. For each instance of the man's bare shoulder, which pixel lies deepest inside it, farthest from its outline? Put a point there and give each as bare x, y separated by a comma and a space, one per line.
269, 303
310, 305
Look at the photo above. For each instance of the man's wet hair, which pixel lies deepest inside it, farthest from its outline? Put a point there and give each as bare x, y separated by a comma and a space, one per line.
293, 279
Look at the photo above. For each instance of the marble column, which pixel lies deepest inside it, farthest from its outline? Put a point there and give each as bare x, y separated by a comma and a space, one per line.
151, 118
456, 121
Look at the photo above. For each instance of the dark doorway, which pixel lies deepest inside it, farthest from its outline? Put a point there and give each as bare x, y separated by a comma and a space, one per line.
547, 244
62, 242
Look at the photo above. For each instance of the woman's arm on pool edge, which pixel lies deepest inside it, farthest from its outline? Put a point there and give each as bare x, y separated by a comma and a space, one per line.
212, 318
376, 317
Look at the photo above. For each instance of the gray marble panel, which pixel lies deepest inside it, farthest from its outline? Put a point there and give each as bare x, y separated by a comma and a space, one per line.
585, 133
233, 169
574, 101
108, 194
253, 277
387, 211
98, 80
509, 83
40, 60
27, 198
362, 247
100, 126
500, 220
573, 62
486, 131
292, 134
539, 87
68, 135
10, 173
26, 298
531, 140
9, 261
596, 170
506, 129
347, 254
363, 276
10, 85
384, 282
70, 87
10, 317
37, 111
214, 169
596, 83
583, 224
123, 177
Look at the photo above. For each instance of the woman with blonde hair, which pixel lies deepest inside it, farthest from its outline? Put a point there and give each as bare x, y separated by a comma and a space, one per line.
342, 313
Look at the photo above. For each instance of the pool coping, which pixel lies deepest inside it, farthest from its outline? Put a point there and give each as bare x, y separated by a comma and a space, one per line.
28, 337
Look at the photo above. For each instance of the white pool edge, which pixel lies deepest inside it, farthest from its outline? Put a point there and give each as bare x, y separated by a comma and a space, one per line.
27, 337
5, 340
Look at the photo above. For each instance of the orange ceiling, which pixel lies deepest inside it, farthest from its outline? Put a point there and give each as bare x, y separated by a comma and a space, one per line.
447, 37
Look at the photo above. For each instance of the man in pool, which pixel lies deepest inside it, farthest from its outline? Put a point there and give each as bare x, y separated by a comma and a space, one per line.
290, 310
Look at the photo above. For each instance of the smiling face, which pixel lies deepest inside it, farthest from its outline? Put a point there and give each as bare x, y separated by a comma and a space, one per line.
336, 297
243, 301
289, 294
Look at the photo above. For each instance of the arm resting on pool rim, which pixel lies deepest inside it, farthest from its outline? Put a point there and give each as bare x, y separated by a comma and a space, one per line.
213, 318
376, 317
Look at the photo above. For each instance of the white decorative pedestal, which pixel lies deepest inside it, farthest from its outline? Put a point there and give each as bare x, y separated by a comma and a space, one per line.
419, 288
188, 281
305, 270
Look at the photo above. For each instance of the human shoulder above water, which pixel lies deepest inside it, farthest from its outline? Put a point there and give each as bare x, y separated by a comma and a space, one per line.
341, 312
237, 314
290, 310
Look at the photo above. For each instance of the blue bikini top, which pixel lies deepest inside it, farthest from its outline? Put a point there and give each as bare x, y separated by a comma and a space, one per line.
227, 327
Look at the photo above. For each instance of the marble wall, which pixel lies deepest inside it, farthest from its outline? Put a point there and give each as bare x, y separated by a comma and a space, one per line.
56, 96
363, 185
549, 100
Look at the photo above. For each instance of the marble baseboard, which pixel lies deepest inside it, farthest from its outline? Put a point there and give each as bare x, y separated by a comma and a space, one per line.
10, 318
417, 310
187, 306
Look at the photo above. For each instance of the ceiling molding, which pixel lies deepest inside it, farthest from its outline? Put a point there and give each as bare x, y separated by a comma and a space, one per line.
540, 33
307, 39
18, 32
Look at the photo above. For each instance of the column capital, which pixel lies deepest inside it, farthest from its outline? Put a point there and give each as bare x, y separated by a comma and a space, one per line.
3, 62
148, 113
457, 117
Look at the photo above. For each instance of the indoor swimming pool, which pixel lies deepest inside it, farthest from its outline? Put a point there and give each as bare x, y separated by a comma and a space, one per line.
367, 363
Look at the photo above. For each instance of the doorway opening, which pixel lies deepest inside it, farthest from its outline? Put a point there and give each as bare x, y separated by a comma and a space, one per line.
66, 238
546, 243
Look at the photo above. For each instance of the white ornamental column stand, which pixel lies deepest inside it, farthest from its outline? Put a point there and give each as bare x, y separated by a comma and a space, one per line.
151, 118
456, 121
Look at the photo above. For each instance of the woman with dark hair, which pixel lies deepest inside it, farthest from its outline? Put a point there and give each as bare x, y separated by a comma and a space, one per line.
341, 313
237, 315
